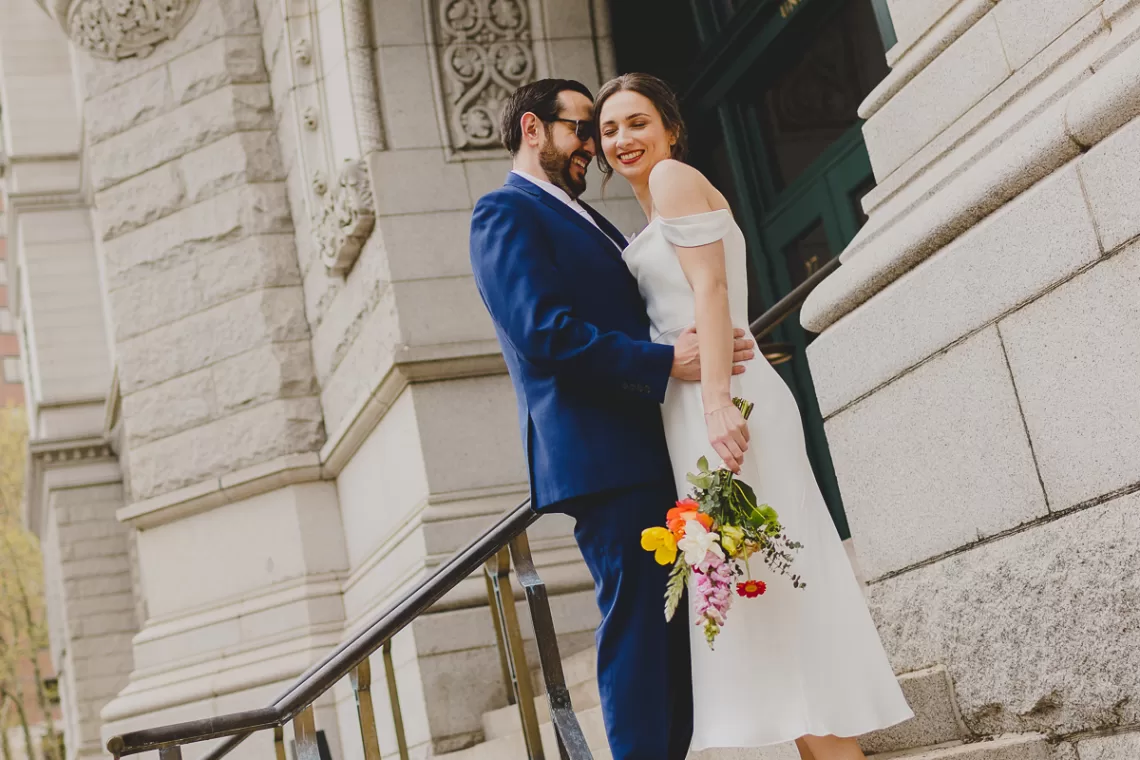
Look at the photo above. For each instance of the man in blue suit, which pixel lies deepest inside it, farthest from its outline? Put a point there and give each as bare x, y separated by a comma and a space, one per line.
589, 383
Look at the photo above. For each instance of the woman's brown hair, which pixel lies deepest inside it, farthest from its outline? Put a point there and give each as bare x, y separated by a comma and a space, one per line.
663, 99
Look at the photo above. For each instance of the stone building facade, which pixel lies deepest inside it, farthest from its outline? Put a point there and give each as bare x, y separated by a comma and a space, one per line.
11, 368
265, 398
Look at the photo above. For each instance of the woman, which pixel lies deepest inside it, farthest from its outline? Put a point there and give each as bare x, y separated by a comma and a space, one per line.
796, 664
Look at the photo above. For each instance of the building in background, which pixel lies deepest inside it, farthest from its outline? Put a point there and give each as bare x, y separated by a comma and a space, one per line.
265, 398
11, 369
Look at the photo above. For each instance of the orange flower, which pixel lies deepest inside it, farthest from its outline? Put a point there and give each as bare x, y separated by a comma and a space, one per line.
686, 510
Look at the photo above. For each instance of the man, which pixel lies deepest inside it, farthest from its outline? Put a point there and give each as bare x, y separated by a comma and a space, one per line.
575, 337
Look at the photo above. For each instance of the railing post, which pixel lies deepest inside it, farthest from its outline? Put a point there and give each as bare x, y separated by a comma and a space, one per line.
394, 700
362, 689
499, 576
571, 741
279, 742
500, 640
305, 733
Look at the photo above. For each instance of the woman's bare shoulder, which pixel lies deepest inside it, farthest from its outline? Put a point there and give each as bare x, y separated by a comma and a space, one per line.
678, 189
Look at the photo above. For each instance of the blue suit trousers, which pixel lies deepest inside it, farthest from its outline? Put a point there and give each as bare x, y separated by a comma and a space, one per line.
644, 674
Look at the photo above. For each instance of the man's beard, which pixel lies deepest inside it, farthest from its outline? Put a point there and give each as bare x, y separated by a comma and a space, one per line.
557, 166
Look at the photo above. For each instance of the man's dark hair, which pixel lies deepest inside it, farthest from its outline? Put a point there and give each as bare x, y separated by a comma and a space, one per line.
539, 98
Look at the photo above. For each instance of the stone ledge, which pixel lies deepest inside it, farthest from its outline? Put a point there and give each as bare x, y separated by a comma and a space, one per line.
291, 469
1109, 99
412, 365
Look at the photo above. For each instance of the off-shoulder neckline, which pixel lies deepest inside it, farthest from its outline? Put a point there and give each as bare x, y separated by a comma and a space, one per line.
690, 216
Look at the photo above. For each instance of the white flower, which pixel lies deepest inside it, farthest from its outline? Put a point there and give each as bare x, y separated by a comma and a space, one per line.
698, 542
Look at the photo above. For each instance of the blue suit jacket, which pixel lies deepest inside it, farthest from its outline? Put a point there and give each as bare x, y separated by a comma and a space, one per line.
575, 337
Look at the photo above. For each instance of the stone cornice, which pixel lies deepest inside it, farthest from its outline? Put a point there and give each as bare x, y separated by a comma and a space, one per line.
51, 454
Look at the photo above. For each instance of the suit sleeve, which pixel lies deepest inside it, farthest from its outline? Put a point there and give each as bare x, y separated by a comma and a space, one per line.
522, 290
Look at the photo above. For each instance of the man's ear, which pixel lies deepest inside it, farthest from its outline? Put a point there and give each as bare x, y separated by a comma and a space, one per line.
531, 126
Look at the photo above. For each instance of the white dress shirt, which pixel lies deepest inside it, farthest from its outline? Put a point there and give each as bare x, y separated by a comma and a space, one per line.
563, 196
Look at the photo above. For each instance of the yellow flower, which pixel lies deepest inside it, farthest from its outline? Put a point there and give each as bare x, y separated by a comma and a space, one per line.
731, 537
661, 542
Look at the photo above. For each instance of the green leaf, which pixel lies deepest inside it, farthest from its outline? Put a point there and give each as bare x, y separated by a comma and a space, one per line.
675, 587
703, 463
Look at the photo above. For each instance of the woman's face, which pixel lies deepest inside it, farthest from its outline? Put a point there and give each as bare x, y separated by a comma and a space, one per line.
634, 138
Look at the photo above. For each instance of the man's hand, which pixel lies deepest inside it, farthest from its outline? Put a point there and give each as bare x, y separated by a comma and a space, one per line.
687, 354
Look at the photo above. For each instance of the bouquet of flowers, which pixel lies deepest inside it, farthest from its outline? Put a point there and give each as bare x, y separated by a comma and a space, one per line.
711, 535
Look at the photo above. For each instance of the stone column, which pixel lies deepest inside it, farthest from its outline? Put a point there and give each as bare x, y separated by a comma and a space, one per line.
217, 414
978, 360
74, 484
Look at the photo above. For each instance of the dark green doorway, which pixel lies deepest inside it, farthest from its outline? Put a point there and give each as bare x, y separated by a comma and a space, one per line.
770, 90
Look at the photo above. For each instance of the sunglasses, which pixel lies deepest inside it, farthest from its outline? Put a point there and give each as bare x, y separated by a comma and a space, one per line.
583, 128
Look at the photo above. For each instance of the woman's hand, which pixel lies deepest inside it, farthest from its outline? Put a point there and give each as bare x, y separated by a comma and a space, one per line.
728, 434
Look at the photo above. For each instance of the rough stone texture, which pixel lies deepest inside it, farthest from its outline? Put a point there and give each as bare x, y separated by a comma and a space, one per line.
1075, 356
935, 460
930, 695
1111, 171
198, 229
277, 370
280, 427
1011, 256
200, 122
952, 83
169, 407
1040, 630
227, 60
1115, 747
120, 109
1027, 26
241, 158
140, 200
234, 327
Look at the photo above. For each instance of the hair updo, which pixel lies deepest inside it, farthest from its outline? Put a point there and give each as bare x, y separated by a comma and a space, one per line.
663, 99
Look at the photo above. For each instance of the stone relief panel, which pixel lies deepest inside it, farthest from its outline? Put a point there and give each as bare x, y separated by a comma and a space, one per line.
118, 29
330, 52
483, 50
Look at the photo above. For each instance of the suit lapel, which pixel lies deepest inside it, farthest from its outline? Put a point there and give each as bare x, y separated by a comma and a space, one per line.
607, 239
613, 232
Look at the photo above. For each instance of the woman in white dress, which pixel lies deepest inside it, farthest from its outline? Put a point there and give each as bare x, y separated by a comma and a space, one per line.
795, 664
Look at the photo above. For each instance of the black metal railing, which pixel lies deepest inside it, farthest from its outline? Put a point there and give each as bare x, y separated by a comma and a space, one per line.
504, 544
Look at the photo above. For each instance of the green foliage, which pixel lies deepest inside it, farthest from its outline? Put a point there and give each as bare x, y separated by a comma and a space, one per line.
675, 588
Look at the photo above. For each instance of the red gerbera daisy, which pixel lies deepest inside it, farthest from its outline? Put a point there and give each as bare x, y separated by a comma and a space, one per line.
751, 589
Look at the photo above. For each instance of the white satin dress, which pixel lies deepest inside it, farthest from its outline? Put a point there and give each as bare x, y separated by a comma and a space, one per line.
793, 661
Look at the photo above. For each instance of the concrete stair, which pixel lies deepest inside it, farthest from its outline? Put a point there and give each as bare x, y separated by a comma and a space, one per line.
935, 733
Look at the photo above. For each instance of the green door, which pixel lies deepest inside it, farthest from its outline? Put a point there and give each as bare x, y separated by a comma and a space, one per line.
771, 99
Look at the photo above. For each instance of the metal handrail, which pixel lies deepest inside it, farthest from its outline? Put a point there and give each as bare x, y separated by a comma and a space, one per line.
320, 677
509, 531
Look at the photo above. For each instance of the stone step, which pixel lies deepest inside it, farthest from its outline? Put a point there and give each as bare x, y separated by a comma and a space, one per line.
1005, 747
937, 723
577, 669
506, 720
512, 746
1009, 747
930, 694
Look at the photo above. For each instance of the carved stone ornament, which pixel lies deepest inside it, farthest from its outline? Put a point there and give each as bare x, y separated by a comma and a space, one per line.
346, 217
118, 29
485, 54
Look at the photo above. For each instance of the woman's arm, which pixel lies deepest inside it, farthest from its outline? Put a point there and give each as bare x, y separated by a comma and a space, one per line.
680, 190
